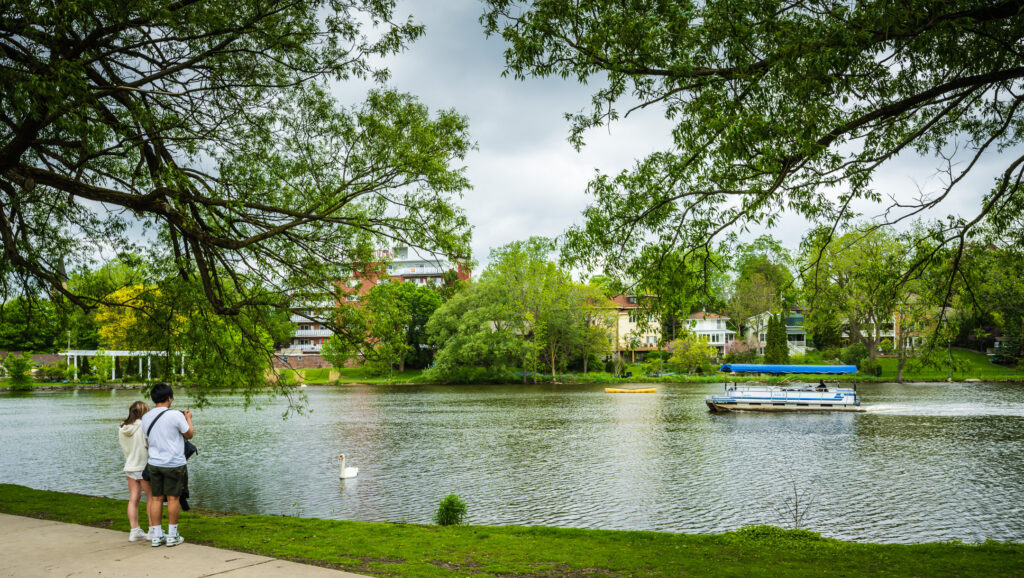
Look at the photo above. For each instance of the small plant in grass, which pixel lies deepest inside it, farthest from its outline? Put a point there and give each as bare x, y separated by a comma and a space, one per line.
451, 511
792, 508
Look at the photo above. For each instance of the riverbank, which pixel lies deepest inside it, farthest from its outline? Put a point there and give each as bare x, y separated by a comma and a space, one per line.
387, 549
972, 366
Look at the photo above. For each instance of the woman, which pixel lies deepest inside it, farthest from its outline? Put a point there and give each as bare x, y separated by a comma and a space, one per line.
133, 444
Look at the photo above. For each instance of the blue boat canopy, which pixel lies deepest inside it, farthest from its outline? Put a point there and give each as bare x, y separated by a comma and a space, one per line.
780, 369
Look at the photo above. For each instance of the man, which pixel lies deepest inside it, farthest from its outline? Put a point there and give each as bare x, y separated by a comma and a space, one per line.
168, 474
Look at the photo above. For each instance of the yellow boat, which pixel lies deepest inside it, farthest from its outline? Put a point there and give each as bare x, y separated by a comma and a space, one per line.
631, 390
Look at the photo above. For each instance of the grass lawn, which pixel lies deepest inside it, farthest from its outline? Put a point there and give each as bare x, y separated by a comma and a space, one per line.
385, 549
978, 367
361, 375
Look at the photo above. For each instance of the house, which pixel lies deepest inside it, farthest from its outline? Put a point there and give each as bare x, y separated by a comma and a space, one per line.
635, 330
796, 335
712, 327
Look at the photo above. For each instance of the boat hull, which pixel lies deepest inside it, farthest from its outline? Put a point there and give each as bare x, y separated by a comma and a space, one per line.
784, 398
778, 407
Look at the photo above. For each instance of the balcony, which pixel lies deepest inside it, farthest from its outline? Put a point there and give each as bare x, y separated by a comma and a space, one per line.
405, 271
306, 333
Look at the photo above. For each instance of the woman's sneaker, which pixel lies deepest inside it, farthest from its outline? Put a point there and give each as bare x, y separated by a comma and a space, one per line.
159, 541
174, 540
137, 534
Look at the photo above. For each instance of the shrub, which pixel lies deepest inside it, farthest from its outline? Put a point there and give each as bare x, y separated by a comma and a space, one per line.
18, 367
868, 367
885, 346
853, 353
102, 364
450, 511
287, 377
52, 372
830, 353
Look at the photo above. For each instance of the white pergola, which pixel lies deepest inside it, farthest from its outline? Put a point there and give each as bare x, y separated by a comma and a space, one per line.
74, 354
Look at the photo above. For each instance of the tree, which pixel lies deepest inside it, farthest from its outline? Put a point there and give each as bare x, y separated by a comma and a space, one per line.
203, 136
391, 327
741, 350
690, 352
992, 288
475, 336
763, 280
28, 325
778, 107
776, 349
524, 311
18, 369
856, 277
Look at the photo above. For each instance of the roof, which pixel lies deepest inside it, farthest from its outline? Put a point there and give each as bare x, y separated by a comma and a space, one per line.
707, 315
783, 369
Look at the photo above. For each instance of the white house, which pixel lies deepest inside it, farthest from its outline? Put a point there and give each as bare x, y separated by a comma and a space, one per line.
713, 328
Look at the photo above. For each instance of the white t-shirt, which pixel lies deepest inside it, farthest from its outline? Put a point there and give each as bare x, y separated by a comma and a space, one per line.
166, 444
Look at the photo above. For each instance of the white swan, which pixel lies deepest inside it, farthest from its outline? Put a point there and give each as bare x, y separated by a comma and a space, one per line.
347, 472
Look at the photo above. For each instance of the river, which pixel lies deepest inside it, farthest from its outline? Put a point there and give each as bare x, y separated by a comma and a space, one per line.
927, 462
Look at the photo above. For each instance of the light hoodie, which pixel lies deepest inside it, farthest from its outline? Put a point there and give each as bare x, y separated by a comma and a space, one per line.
133, 444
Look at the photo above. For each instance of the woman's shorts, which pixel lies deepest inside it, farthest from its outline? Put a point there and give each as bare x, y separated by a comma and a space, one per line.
134, 475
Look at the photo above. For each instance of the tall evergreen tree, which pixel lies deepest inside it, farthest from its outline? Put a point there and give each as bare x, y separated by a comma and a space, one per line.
776, 350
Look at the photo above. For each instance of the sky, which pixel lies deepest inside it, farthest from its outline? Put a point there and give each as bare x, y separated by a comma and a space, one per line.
527, 180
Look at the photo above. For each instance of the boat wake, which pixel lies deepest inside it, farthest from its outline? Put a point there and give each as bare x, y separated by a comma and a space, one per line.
1013, 410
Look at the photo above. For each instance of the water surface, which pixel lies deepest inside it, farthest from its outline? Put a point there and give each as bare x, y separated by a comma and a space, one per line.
928, 462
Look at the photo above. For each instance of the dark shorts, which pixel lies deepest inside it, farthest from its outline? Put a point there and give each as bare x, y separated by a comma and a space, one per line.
168, 481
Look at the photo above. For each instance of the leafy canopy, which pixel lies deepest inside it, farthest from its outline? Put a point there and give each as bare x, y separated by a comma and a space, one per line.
203, 136
780, 106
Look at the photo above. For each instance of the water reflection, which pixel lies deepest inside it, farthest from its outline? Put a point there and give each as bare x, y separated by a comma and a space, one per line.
927, 462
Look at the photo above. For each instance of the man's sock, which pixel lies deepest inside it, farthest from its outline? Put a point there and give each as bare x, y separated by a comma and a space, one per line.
172, 530
154, 532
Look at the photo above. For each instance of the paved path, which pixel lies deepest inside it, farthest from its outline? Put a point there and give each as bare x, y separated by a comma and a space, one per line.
31, 547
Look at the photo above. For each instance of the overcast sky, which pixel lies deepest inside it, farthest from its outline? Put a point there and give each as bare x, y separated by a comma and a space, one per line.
527, 179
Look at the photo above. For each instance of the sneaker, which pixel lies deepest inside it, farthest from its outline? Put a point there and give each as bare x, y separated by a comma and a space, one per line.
137, 534
174, 540
159, 541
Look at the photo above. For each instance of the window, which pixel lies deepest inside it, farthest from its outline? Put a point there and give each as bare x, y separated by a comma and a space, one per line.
718, 323
303, 327
632, 317
632, 299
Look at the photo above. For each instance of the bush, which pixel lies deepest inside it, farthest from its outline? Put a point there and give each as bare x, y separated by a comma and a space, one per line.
102, 364
450, 511
18, 367
654, 355
852, 354
886, 346
868, 367
52, 372
830, 353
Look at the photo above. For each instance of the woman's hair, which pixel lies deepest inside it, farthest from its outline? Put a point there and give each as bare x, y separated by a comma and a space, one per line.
135, 412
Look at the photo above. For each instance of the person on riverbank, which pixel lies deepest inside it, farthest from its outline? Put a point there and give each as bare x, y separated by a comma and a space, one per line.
166, 431
136, 454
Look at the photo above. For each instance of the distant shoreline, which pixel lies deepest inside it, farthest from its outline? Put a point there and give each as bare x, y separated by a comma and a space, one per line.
645, 380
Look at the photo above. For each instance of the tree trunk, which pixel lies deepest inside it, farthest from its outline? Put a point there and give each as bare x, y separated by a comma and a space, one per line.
551, 350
